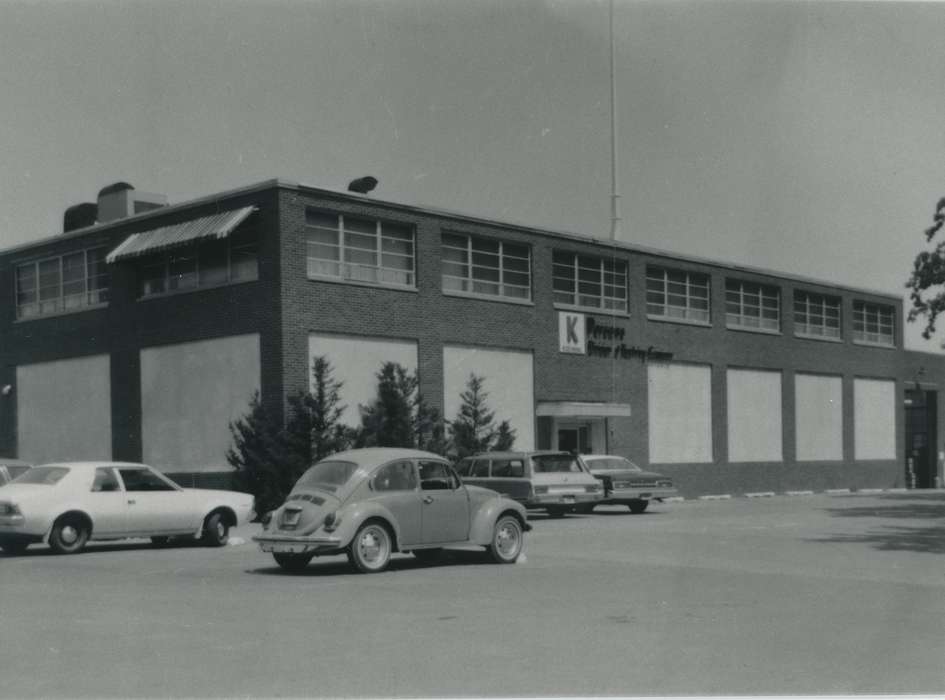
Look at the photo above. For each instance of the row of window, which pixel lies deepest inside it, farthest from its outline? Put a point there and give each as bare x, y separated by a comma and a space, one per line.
359, 249
352, 248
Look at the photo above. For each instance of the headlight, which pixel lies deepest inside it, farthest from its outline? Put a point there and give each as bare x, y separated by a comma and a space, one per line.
266, 519
9, 509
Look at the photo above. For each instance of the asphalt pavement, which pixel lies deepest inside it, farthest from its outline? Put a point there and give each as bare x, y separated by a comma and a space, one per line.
812, 594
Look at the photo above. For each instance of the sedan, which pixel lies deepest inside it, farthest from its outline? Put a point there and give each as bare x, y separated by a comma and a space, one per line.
67, 504
627, 484
370, 503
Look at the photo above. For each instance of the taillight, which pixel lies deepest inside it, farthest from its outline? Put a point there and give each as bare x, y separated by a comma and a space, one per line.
331, 522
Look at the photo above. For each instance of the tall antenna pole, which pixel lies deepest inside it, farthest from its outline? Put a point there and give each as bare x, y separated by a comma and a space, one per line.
615, 198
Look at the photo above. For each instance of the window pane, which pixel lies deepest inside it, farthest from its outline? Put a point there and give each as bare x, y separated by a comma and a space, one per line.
212, 262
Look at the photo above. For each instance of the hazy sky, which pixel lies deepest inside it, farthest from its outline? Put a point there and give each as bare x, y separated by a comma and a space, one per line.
802, 137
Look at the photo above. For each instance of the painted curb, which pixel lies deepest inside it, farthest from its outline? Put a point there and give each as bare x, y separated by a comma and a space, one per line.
895, 490
716, 497
760, 494
869, 490
798, 493
838, 492
674, 499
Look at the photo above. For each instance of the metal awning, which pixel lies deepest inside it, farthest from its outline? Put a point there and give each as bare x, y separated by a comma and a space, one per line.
581, 409
215, 226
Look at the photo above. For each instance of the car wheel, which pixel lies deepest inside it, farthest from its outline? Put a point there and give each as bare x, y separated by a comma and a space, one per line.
428, 554
638, 506
370, 549
216, 530
14, 548
69, 535
292, 562
507, 540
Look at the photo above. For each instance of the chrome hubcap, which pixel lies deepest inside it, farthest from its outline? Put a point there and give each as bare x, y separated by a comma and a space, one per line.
221, 530
507, 539
69, 535
373, 546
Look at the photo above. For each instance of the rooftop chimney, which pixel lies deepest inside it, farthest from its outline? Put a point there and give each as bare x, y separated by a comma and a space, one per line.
79, 216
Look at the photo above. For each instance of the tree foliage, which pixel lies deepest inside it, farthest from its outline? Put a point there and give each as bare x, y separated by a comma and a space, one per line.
399, 416
927, 281
473, 430
269, 456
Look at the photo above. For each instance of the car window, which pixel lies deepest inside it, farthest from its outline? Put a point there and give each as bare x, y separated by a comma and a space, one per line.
437, 476
508, 467
17, 471
43, 475
555, 463
326, 476
480, 467
464, 466
143, 480
396, 476
105, 480
612, 463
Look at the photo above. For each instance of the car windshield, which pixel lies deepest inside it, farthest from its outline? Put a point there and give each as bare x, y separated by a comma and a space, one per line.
612, 463
326, 476
555, 463
42, 475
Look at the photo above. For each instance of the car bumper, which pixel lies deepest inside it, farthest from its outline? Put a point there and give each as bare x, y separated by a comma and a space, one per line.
295, 544
622, 496
562, 499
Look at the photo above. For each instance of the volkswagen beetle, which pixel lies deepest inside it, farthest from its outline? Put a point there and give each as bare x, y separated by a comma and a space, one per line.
369, 503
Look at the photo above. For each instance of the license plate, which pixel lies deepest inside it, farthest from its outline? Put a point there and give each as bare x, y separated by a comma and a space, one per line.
291, 518
567, 499
286, 548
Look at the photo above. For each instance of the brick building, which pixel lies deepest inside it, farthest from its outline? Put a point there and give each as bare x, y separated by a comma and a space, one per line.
141, 333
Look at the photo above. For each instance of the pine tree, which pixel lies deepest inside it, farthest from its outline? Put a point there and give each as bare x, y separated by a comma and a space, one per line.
389, 420
504, 437
472, 430
257, 455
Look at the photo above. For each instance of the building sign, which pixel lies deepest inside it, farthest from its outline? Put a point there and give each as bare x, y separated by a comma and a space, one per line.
571, 333
582, 335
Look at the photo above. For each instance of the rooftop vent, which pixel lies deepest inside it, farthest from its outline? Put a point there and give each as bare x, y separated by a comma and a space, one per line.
120, 200
79, 216
362, 185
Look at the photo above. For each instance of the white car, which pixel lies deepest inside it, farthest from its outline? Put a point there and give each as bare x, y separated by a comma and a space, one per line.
69, 503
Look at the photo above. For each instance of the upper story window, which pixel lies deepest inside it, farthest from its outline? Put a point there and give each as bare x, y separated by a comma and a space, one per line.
816, 315
752, 306
356, 249
207, 263
677, 295
874, 324
64, 283
486, 266
591, 282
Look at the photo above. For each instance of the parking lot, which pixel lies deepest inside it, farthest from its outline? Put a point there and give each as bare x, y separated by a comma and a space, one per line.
806, 594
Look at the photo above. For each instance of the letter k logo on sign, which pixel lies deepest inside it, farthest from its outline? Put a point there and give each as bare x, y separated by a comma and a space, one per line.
571, 333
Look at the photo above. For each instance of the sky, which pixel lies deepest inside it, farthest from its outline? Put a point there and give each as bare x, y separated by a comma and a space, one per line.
802, 137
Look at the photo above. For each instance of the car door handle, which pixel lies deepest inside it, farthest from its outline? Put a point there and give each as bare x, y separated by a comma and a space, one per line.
428, 499
131, 502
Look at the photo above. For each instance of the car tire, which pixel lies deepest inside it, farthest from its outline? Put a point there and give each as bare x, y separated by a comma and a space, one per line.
216, 530
14, 548
69, 535
429, 555
292, 562
370, 550
507, 540
637, 505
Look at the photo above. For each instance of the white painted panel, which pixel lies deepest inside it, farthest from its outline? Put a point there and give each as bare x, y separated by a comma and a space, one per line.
680, 413
64, 410
189, 395
818, 417
356, 361
509, 383
874, 419
754, 416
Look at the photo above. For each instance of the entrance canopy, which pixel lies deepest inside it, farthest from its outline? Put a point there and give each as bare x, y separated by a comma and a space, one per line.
215, 226
582, 409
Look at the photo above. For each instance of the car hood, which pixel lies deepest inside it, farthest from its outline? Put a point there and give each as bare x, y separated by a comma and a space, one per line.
479, 494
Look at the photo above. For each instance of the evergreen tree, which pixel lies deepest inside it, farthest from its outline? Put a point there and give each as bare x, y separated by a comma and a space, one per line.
504, 437
927, 281
257, 455
472, 430
389, 420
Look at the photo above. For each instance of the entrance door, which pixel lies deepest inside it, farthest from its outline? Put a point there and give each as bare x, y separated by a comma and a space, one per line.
921, 438
575, 439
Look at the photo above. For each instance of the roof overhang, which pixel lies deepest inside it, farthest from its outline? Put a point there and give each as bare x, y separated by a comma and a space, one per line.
214, 226
581, 409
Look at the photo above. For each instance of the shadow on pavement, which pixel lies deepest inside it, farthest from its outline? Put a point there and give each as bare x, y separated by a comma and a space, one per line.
336, 567
929, 539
